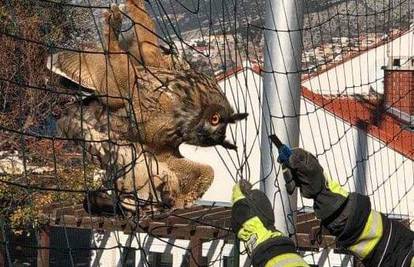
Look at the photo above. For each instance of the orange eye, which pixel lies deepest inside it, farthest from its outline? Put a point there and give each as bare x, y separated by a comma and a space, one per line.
215, 119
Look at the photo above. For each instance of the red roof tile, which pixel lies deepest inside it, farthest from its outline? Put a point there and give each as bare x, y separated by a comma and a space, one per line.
254, 67
387, 129
356, 112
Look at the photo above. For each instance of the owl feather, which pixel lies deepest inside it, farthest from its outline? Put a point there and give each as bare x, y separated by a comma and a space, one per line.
148, 104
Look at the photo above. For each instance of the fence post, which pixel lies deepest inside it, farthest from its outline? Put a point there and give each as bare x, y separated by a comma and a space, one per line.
44, 244
196, 251
2, 246
281, 98
236, 252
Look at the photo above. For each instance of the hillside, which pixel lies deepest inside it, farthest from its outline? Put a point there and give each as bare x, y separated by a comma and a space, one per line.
326, 19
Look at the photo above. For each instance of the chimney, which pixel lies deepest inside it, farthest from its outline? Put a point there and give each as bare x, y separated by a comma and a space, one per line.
399, 88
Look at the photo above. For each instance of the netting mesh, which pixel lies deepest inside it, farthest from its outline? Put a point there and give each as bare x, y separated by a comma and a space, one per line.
83, 84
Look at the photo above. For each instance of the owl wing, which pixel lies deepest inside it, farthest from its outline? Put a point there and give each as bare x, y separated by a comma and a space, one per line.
107, 75
143, 44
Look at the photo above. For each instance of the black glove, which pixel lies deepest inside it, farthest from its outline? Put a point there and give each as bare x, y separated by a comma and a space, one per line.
253, 221
308, 174
249, 203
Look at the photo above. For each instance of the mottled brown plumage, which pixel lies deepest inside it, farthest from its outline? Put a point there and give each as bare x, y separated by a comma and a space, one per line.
144, 45
154, 106
130, 167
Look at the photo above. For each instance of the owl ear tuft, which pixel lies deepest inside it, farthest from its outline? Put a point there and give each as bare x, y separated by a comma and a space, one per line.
226, 144
238, 117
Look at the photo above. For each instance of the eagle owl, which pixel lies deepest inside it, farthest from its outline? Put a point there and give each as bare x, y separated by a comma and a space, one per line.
146, 103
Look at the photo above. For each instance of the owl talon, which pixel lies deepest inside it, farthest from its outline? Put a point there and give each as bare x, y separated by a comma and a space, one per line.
167, 199
179, 204
189, 205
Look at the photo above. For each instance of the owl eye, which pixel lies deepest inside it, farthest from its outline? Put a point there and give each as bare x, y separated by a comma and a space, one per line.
215, 119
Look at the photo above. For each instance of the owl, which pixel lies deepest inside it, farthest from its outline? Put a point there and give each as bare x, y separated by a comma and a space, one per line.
151, 100
129, 166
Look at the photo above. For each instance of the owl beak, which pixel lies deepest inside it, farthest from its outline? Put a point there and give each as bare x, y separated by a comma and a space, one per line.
237, 117
226, 144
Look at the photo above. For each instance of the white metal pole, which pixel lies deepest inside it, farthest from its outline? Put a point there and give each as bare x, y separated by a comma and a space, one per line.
281, 99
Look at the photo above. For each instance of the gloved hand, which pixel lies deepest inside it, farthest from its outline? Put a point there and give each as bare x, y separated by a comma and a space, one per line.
253, 220
309, 177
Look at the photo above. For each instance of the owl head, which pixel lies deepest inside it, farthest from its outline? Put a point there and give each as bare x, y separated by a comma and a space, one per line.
210, 127
204, 111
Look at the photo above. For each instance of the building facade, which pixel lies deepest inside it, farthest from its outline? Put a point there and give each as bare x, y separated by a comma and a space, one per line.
360, 129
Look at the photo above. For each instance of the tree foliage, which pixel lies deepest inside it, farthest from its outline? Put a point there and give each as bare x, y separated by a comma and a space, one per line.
31, 100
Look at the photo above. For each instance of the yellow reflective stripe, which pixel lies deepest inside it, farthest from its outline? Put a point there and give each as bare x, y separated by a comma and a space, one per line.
237, 193
253, 232
412, 262
255, 226
335, 187
369, 237
287, 260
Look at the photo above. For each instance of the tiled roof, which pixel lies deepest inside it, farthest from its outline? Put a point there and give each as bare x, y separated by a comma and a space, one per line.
254, 67
359, 113
370, 117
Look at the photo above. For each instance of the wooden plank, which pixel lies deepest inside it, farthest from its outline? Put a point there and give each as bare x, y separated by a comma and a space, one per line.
306, 226
305, 242
184, 223
44, 244
316, 230
192, 216
186, 231
81, 212
196, 249
187, 210
182, 220
162, 230
225, 224
305, 216
88, 222
218, 215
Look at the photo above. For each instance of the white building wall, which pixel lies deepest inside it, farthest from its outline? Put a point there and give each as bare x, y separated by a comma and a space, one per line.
343, 150
215, 251
143, 244
389, 175
355, 76
327, 258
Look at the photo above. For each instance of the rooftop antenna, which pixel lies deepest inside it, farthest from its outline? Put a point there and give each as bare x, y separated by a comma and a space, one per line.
390, 33
281, 100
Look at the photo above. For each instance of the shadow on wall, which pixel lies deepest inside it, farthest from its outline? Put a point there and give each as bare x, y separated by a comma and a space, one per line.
361, 157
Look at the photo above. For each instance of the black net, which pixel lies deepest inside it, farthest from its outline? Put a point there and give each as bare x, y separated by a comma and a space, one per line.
113, 146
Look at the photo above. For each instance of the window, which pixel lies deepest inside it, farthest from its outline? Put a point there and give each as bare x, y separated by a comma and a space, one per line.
228, 261
128, 257
186, 261
160, 259
396, 62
